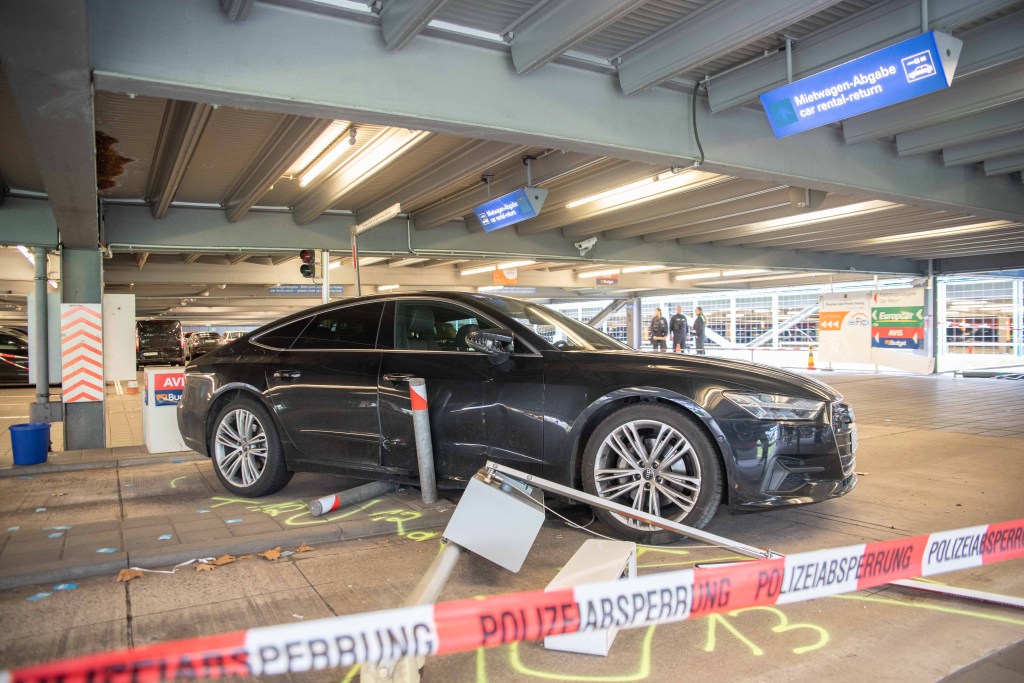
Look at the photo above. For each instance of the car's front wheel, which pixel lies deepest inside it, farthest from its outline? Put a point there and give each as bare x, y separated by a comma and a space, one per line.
653, 459
247, 454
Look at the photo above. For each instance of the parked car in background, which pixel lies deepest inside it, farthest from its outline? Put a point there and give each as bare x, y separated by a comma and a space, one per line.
327, 390
232, 335
13, 356
200, 343
160, 342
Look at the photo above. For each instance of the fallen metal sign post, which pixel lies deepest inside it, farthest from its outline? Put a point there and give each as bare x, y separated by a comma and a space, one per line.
497, 471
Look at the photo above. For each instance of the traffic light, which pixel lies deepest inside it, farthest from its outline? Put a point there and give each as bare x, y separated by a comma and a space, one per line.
308, 258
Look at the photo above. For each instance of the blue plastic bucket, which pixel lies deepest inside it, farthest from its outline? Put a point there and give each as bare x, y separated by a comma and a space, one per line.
30, 442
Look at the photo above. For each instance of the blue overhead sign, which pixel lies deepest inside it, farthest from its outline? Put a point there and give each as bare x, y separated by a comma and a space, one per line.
900, 72
521, 205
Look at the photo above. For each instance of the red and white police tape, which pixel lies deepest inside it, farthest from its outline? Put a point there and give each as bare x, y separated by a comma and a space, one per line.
468, 624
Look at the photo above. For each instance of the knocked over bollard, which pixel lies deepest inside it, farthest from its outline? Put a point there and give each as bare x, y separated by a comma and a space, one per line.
321, 506
424, 448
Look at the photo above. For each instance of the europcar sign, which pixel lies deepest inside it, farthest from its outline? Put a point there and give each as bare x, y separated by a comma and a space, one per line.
900, 72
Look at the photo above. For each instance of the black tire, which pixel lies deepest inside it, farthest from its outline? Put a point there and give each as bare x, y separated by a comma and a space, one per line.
660, 440
246, 451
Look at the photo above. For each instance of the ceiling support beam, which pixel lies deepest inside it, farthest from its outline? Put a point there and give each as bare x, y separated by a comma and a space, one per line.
703, 234
402, 20
890, 222
717, 30
739, 209
560, 25
795, 232
141, 258
189, 259
136, 47
975, 264
546, 170
678, 205
237, 10
1007, 164
613, 174
880, 26
471, 159
384, 149
994, 88
980, 150
290, 139
44, 48
235, 259
998, 121
180, 133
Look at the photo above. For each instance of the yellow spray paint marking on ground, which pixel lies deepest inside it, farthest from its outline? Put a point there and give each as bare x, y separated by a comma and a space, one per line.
174, 482
715, 620
641, 673
296, 513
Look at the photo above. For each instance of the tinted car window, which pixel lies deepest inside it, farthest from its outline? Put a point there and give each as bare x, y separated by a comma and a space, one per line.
434, 326
347, 328
284, 336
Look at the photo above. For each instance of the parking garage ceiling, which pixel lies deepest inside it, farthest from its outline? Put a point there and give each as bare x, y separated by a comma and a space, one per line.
210, 118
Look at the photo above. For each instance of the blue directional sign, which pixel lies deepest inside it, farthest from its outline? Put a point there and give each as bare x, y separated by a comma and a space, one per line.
900, 72
521, 205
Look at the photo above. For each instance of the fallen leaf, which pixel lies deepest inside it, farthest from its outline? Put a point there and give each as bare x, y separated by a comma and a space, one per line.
203, 567
863, 474
224, 559
303, 548
126, 575
59, 494
245, 557
272, 554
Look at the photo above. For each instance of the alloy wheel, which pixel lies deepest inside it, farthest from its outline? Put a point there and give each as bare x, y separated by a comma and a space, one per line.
241, 448
650, 466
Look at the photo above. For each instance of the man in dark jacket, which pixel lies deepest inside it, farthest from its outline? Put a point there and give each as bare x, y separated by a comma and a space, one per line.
699, 325
658, 331
679, 327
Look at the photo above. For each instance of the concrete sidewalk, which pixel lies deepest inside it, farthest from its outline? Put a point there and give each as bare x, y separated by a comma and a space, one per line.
68, 521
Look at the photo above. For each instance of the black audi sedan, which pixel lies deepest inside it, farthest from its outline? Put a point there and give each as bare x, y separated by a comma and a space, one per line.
326, 390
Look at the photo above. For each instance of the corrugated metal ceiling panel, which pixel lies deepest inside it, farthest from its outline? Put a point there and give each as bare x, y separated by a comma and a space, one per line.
135, 123
286, 191
493, 16
405, 170
637, 26
230, 142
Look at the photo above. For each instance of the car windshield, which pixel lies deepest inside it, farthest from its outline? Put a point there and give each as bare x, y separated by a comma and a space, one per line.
162, 330
564, 332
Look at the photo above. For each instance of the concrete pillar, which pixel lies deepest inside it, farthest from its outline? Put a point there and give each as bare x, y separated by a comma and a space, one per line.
635, 324
82, 283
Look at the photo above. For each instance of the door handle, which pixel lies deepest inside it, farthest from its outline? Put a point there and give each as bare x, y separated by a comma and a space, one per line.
397, 377
287, 374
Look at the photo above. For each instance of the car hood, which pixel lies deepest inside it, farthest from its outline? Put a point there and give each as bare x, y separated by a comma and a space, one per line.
739, 373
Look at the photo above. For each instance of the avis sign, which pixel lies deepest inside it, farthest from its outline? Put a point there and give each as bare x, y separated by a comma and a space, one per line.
168, 387
897, 320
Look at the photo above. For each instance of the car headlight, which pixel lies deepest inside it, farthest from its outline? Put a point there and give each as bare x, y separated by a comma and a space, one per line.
777, 407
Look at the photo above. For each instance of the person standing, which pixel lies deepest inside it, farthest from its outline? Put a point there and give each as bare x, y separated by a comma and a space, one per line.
658, 331
700, 324
679, 327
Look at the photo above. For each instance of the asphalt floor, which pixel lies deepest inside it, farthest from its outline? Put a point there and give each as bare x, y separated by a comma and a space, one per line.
936, 453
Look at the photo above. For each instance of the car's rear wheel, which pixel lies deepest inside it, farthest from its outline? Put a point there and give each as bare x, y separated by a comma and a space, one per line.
654, 459
246, 450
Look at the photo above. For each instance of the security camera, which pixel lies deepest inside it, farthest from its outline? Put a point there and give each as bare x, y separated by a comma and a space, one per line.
586, 245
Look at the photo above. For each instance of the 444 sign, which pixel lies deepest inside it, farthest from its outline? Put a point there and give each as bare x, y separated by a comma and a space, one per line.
897, 327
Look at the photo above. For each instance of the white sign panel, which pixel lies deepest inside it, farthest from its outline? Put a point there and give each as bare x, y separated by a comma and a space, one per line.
844, 327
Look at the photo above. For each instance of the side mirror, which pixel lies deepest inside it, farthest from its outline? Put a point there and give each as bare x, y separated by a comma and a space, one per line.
494, 342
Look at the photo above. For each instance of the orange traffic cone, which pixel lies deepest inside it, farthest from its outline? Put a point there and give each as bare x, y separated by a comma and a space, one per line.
810, 358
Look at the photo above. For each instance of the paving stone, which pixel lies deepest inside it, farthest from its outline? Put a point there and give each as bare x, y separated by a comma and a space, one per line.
102, 539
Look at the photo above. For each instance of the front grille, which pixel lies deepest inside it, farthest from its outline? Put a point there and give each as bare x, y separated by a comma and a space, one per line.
845, 430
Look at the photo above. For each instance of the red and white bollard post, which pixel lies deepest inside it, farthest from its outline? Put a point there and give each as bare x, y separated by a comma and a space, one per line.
424, 446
